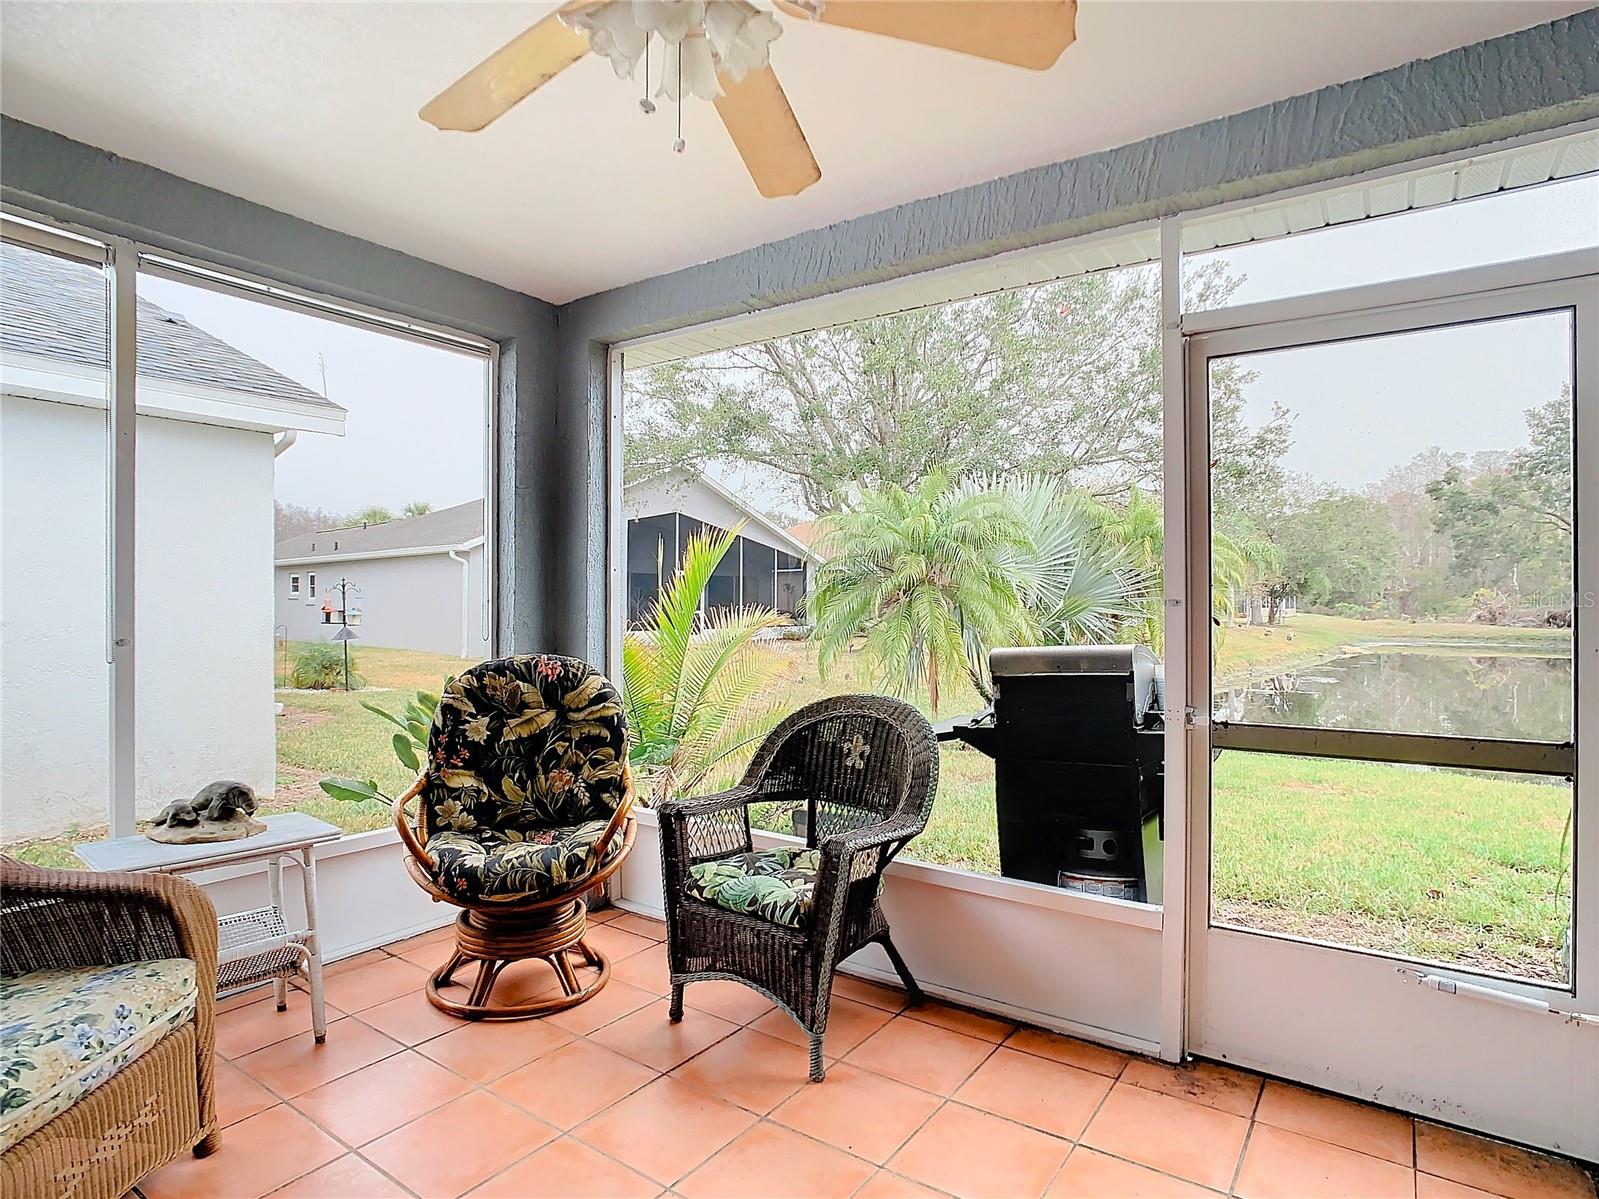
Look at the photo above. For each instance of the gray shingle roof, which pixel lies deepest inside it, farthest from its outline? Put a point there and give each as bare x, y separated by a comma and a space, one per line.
55, 308
450, 527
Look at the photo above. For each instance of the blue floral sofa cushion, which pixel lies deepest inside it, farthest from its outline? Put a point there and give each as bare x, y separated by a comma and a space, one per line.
64, 1032
778, 885
486, 864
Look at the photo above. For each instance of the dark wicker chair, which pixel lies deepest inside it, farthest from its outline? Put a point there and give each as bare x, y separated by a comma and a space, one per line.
864, 769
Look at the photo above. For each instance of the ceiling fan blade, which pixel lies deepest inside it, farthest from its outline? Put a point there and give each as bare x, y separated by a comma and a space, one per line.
513, 72
1023, 33
767, 134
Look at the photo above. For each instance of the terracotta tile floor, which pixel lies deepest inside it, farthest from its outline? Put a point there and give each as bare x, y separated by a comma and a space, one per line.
609, 1100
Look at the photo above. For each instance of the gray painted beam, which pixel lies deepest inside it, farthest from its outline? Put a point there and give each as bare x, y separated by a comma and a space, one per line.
67, 180
1540, 78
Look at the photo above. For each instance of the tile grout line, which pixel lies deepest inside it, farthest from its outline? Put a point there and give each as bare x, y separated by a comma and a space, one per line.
758, 1118
487, 1085
1077, 1141
1249, 1135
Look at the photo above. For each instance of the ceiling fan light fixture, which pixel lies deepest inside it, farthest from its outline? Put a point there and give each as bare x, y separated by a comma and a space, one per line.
742, 36
731, 35
674, 20
689, 69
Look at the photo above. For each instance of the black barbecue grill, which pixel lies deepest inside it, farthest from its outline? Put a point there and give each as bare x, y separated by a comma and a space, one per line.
1076, 734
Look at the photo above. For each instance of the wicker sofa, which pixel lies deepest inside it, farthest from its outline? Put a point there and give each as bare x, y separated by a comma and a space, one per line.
107, 991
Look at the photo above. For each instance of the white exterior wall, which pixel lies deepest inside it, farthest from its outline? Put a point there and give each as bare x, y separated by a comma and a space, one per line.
203, 640
413, 602
691, 498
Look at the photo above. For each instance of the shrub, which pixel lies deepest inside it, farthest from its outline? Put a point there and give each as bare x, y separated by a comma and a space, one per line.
321, 668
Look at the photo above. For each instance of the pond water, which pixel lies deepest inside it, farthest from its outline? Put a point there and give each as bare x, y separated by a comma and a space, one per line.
1476, 691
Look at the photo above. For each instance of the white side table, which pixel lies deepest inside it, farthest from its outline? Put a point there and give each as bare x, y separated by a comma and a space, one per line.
256, 945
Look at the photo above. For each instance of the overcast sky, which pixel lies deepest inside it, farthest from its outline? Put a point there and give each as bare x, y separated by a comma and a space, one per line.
1362, 407
415, 429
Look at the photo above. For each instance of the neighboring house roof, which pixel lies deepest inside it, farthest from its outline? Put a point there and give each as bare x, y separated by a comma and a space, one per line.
461, 527
780, 537
805, 531
55, 309
457, 528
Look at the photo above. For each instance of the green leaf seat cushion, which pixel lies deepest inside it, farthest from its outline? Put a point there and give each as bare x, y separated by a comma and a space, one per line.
778, 885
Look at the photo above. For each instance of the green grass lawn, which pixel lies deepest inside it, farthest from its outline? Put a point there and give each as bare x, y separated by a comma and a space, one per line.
1443, 865
1446, 865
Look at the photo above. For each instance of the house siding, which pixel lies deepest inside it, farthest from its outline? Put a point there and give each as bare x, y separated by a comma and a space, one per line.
412, 602
203, 554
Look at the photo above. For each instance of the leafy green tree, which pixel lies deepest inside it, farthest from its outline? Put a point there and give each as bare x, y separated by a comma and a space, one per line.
290, 520
1339, 548
692, 679
372, 514
1061, 379
1076, 585
1510, 523
1240, 558
1423, 583
915, 570
416, 508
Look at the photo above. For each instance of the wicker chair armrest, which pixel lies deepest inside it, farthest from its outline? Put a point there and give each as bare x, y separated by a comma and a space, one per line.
703, 828
873, 836
703, 805
402, 822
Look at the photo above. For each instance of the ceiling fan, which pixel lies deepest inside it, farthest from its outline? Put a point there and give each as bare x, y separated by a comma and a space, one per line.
719, 50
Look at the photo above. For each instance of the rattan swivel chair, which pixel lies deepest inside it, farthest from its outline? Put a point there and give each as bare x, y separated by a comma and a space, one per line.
864, 769
526, 806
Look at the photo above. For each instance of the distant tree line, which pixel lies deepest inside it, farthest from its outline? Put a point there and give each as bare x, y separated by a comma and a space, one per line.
291, 520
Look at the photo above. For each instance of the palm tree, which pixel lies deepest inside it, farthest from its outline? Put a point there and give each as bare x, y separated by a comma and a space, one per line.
1240, 557
1140, 529
1077, 586
690, 680
922, 572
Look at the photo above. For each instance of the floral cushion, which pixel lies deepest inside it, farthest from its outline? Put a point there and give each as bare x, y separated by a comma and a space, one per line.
485, 864
525, 743
773, 884
64, 1032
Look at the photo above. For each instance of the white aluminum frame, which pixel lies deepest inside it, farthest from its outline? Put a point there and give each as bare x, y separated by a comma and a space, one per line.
1260, 985
123, 260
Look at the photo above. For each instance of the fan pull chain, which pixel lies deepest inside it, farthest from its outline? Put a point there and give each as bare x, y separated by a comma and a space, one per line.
645, 104
679, 145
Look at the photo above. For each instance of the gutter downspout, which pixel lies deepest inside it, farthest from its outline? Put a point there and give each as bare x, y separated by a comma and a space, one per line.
284, 441
466, 602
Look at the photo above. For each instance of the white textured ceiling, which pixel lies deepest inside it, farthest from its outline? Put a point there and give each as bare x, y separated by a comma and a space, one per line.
310, 108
